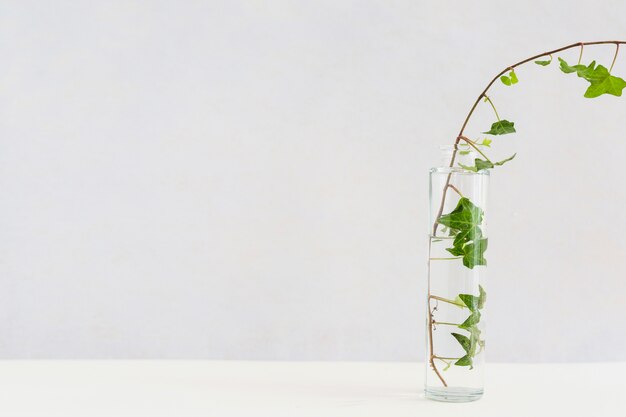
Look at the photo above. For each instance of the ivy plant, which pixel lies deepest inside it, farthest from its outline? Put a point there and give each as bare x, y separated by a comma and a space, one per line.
465, 220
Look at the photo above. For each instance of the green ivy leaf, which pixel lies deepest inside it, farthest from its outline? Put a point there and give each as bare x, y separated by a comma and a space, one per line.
456, 251
486, 142
501, 127
581, 70
478, 165
474, 302
465, 361
510, 79
463, 223
482, 164
504, 161
464, 341
609, 85
474, 253
471, 321
465, 216
471, 301
482, 298
601, 80
544, 63
469, 344
466, 235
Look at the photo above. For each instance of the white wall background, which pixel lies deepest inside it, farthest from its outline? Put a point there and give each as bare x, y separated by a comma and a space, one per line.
248, 180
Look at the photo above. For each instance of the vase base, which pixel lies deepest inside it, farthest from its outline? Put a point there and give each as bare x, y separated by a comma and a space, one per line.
453, 394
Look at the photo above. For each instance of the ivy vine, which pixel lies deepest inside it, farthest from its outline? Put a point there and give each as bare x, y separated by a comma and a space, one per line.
465, 220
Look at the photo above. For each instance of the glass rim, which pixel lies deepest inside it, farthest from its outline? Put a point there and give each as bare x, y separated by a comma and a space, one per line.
457, 170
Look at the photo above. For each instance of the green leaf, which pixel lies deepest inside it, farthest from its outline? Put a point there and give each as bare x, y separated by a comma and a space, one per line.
544, 63
459, 302
475, 253
469, 344
479, 164
486, 142
455, 251
482, 298
482, 164
464, 152
504, 161
465, 361
463, 341
463, 223
472, 320
510, 79
593, 73
601, 80
609, 85
501, 127
581, 70
471, 301
465, 216
466, 235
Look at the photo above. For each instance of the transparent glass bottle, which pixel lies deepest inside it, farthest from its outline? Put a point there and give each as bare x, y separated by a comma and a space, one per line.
455, 332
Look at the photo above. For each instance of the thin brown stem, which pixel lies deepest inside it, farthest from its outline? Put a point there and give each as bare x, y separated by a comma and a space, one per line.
431, 358
614, 57
457, 190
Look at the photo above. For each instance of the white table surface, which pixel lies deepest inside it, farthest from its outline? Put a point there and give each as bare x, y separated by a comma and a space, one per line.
225, 388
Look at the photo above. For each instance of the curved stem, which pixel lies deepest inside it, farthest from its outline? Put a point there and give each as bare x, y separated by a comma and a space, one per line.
493, 80
446, 323
554, 51
457, 190
493, 107
580, 56
445, 259
614, 57
471, 143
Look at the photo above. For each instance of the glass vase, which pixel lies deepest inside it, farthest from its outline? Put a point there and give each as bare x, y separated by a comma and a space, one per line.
455, 332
